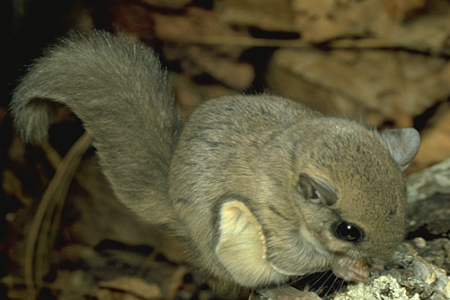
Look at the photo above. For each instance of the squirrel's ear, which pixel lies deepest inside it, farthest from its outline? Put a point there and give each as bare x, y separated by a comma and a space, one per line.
241, 246
402, 144
317, 190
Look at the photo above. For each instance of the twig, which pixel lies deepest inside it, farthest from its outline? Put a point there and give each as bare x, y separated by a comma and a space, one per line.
55, 192
18, 283
301, 44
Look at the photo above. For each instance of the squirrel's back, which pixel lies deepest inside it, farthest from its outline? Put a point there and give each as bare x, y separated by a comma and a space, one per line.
117, 88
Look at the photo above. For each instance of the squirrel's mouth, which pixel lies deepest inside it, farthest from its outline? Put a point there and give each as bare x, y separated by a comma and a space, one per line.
351, 269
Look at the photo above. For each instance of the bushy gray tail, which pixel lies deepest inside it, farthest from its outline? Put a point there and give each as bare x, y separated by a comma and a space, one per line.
116, 87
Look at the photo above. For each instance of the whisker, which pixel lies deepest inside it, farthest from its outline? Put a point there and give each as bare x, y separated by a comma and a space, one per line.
307, 281
319, 279
297, 279
324, 283
342, 285
329, 291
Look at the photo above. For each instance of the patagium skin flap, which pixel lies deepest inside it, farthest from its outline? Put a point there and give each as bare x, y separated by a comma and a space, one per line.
258, 189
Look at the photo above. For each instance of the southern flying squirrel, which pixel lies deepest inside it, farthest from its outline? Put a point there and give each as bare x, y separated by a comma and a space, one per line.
259, 188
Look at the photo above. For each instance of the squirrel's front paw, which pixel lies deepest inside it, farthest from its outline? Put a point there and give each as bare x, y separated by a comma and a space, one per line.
284, 293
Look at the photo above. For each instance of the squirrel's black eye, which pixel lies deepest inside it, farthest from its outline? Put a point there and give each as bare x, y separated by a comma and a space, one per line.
348, 232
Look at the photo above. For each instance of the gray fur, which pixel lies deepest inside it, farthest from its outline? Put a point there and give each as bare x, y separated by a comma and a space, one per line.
232, 190
116, 87
253, 148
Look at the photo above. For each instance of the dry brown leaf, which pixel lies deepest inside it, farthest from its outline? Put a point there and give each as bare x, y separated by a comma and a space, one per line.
134, 286
273, 15
194, 23
12, 185
319, 21
16, 151
131, 17
196, 26
399, 10
189, 95
171, 4
175, 282
435, 144
235, 74
105, 294
373, 84
221, 63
